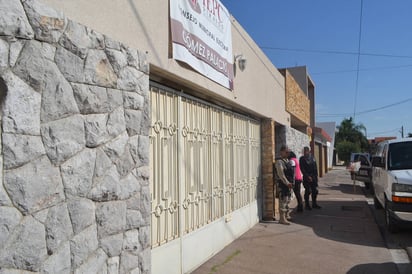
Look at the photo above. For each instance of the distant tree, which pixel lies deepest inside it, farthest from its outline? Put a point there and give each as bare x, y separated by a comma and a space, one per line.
350, 138
345, 148
410, 134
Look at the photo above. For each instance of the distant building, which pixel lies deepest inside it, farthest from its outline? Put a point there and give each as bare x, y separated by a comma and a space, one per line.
377, 140
330, 129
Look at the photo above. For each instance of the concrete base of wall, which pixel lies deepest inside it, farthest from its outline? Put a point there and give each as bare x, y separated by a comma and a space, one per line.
197, 247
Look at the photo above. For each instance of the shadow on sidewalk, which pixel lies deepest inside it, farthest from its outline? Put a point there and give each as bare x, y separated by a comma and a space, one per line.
349, 189
343, 221
385, 268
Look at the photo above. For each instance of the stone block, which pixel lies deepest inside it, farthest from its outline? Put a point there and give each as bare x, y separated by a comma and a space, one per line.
63, 138
117, 59
59, 262
48, 24
130, 79
125, 164
106, 187
26, 248
13, 20
95, 126
70, 65
131, 242
133, 100
96, 263
144, 236
15, 49
58, 227
112, 245
45, 77
111, 44
111, 218
21, 108
144, 146
9, 219
129, 187
98, 70
4, 198
77, 173
133, 121
34, 186
145, 260
134, 219
83, 245
4, 55
91, 99
116, 123
128, 262
82, 214
79, 39
103, 163
21, 149
115, 149
113, 265
133, 145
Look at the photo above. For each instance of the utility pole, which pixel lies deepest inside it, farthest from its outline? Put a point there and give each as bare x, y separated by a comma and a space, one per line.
401, 131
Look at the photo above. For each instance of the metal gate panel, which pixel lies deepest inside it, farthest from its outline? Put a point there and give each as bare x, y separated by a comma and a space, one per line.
241, 180
216, 157
205, 164
228, 159
254, 163
196, 148
164, 168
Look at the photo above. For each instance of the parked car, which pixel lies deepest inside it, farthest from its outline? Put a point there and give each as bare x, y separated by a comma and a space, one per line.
364, 174
392, 181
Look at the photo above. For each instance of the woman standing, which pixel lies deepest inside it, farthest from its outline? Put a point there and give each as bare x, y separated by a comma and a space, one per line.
298, 180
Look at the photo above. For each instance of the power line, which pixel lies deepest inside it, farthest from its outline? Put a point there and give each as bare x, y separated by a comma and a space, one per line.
383, 132
365, 111
365, 69
358, 62
339, 52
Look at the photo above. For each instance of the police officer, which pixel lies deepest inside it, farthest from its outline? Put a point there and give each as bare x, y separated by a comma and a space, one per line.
310, 178
285, 178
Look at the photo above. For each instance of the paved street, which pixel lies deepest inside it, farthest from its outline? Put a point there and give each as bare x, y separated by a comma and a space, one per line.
342, 237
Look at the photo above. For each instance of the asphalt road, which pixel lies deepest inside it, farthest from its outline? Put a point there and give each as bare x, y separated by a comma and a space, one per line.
345, 236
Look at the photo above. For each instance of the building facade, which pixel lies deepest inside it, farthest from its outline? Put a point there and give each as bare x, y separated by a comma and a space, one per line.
119, 158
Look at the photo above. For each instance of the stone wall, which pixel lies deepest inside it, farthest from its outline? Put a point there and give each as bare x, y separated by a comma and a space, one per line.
291, 137
74, 191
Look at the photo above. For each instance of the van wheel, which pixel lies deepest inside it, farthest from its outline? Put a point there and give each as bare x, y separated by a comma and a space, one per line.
390, 224
376, 203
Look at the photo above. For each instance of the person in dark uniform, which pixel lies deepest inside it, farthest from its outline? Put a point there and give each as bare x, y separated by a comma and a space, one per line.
310, 178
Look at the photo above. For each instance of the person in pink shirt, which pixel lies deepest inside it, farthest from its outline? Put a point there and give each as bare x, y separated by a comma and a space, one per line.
298, 181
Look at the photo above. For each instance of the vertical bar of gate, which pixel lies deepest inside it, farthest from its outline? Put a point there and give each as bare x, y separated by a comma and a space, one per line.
179, 177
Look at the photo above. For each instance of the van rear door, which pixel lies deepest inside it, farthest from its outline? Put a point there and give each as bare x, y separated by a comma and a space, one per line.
364, 174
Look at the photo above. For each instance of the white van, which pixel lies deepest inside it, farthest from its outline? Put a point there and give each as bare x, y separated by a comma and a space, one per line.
392, 181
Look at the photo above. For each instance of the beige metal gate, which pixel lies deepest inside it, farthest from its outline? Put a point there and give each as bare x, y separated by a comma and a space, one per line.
205, 163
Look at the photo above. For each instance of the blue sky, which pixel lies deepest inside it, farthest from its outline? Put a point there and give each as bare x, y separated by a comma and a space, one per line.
333, 25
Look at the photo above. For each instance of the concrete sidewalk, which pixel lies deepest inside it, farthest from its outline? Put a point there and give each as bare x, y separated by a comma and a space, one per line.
342, 237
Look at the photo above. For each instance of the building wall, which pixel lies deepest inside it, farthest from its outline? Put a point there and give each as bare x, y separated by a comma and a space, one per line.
144, 24
268, 158
297, 103
74, 196
291, 137
330, 128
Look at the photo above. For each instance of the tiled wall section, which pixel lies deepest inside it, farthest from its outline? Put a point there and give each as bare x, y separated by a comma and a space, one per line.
297, 103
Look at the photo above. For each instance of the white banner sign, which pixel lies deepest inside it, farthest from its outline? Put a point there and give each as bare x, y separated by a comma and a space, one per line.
202, 38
